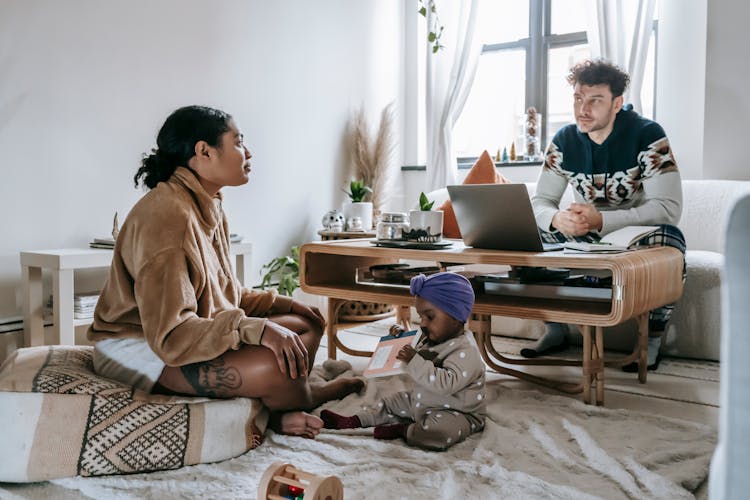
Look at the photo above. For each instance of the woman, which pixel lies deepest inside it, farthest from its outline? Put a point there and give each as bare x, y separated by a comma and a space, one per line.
172, 318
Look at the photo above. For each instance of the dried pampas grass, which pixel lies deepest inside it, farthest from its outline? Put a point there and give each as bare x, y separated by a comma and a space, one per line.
372, 158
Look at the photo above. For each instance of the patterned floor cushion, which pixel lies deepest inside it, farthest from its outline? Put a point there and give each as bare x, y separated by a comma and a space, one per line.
59, 419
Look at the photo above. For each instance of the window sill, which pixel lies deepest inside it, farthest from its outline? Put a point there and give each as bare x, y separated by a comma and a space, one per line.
466, 165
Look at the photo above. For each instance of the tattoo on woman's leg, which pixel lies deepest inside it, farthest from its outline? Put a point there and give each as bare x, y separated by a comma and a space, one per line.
212, 378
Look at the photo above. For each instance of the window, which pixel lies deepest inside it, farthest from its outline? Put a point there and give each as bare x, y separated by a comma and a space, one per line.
528, 49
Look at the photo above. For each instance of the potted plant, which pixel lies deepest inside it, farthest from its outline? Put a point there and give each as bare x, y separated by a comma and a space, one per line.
356, 207
283, 271
426, 224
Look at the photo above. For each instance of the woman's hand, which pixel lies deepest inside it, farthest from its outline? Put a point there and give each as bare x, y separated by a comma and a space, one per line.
290, 352
406, 353
309, 312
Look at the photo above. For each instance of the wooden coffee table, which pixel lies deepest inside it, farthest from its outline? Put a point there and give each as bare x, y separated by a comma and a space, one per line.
641, 280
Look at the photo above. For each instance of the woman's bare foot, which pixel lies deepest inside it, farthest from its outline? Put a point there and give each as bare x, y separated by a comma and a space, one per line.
296, 423
335, 389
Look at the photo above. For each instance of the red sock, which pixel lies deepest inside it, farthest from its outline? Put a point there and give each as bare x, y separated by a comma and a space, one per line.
335, 421
390, 431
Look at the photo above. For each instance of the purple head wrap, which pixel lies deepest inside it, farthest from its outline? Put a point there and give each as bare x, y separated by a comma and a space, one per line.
451, 292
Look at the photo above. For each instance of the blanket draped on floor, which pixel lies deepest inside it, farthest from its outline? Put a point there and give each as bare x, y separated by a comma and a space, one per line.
534, 445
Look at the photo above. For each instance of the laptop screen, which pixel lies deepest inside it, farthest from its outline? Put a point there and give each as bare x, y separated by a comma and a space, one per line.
497, 217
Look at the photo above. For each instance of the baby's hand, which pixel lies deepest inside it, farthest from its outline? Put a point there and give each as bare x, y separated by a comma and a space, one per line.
406, 353
396, 330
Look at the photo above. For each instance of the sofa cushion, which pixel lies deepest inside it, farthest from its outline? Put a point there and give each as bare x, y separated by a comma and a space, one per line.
483, 172
60, 419
706, 204
695, 328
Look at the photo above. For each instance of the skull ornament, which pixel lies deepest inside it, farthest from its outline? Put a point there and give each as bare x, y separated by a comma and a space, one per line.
333, 220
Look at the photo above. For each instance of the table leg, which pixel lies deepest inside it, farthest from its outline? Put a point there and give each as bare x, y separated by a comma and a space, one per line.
33, 307
480, 324
403, 316
643, 347
600, 366
242, 268
334, 305
62, 307
586, 333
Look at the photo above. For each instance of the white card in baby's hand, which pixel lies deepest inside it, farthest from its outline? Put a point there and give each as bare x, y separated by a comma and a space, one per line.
380, 357
383, 361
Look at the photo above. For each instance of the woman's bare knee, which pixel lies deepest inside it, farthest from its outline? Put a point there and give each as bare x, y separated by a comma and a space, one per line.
263, 379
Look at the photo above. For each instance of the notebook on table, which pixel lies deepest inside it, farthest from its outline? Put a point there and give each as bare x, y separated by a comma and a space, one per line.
497, 217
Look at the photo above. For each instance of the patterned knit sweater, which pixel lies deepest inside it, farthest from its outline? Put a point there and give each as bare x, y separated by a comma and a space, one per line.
632, 177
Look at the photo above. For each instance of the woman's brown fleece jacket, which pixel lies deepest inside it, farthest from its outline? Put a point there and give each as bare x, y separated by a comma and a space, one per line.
171, 280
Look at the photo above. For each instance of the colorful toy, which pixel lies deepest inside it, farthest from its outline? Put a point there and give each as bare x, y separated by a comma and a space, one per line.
283, 481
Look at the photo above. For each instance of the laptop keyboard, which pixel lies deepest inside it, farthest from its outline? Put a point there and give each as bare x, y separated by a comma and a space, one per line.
558, 237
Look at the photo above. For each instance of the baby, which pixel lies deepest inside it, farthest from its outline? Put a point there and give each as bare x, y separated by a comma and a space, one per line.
447, 403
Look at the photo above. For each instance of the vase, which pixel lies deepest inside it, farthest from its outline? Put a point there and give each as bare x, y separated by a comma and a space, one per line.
361, 209
426, 226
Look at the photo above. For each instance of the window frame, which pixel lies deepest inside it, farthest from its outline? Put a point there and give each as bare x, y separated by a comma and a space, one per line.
536, 47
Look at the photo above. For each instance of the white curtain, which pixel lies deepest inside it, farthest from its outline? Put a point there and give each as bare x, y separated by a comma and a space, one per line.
619, 31
450, 73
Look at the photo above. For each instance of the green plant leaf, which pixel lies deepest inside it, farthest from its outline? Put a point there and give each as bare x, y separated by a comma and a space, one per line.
424, 203
435, 29
357, 191
282, 270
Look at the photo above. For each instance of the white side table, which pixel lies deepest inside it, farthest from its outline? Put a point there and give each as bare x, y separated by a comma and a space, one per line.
63, 262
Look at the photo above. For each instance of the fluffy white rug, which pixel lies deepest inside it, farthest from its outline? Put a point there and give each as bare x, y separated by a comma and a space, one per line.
534, 446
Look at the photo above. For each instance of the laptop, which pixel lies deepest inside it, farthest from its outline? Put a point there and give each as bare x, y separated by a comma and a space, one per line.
497, 217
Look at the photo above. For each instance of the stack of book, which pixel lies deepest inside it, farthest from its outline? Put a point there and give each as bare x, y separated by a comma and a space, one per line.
84, 304
108, 243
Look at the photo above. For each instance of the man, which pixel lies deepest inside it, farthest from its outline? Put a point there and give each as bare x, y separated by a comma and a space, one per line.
623, 173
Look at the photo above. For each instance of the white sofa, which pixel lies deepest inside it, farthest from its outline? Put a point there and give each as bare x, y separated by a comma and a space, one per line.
694, 331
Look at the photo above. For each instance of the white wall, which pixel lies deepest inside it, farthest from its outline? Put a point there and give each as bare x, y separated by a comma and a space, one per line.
702, 93
681, 81
85, 85
727, 90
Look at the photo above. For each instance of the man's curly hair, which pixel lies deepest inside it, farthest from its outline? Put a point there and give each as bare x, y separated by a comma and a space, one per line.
599, 72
